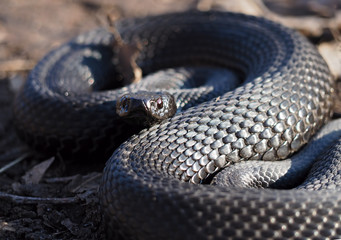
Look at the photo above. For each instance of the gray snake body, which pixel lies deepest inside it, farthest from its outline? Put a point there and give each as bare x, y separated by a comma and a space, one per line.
285, 98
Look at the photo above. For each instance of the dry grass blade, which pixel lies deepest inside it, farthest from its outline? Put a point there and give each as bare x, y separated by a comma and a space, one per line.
14, 162
36, 200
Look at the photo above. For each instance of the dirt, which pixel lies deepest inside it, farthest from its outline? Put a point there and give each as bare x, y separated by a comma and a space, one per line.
48, 198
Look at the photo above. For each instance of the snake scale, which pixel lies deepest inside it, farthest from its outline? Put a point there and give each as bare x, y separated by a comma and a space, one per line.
285, 97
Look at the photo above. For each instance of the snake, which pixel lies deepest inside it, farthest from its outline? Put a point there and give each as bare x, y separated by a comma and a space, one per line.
163, 182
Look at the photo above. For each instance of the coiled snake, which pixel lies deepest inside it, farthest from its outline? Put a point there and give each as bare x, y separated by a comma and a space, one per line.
285, 97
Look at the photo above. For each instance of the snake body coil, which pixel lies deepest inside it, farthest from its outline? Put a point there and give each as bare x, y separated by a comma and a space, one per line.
285, 98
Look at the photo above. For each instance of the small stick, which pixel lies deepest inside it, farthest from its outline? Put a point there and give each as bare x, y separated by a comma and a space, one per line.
36, 200
14, 162
16, 65
126, 55
96, 176
60, 179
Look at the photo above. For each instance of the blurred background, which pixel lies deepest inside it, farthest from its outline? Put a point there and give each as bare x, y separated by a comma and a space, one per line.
30, 28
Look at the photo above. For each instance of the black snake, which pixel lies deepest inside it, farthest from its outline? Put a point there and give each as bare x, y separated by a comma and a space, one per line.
286, 96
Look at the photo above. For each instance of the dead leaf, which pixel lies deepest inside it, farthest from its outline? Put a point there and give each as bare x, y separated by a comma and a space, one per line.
35, 174
72, 227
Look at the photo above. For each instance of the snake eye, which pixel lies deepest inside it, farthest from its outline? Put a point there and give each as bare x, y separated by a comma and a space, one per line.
159, 103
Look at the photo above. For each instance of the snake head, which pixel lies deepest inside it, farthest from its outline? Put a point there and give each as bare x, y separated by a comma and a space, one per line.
146, 108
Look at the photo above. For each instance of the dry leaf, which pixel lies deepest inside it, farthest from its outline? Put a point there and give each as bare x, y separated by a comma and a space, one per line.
35, 174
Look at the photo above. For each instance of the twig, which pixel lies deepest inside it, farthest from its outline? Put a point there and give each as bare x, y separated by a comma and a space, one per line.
14, 162
96, 176
13, 153
16, 65
60, 179
111, 26
36, 200
126, 55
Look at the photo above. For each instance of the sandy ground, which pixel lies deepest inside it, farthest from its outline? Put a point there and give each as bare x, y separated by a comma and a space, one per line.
50, 199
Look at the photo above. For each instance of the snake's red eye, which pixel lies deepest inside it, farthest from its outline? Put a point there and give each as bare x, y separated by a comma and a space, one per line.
159, 103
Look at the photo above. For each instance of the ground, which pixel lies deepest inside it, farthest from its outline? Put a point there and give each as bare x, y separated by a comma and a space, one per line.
47, 198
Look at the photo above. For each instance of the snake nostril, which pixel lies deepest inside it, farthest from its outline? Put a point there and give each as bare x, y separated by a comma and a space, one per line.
124, 105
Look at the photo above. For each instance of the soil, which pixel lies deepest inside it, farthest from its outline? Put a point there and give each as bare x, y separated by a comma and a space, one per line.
49, 198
